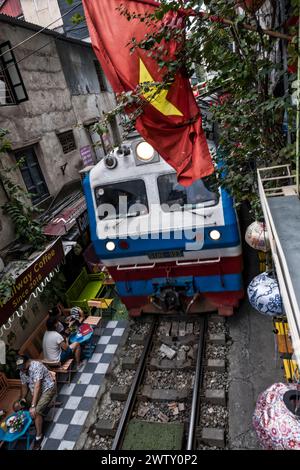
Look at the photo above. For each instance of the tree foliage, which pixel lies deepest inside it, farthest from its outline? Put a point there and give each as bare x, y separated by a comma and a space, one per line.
254, 87
19, 206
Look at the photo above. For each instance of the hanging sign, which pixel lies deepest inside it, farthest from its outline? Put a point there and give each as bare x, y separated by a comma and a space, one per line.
86, 155
27, 282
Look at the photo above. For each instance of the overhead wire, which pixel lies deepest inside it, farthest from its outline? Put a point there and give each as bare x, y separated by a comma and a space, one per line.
36, 50
41, 30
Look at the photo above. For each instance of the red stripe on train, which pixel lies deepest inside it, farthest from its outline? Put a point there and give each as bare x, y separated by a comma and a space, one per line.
218, 299
227, 265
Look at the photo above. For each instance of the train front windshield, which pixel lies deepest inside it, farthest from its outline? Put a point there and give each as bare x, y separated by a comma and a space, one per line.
123, 199
174, 196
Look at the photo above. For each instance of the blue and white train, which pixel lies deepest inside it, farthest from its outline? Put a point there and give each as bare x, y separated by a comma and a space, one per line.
167, 247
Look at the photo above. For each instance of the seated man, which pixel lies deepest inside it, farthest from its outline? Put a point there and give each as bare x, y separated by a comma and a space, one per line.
55, 347
55, 313
38, 389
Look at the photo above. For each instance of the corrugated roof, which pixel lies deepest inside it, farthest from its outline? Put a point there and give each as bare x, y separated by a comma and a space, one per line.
33, 27
11, 7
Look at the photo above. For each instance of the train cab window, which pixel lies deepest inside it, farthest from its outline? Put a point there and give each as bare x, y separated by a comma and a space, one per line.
120, 200
172, 193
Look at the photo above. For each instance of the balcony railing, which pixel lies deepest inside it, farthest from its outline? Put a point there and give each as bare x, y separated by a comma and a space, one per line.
278, 182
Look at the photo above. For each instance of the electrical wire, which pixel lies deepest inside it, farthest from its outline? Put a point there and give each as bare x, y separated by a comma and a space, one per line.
41, 30
35, 50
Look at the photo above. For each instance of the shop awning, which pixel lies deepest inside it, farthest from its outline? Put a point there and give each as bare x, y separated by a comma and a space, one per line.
66, 219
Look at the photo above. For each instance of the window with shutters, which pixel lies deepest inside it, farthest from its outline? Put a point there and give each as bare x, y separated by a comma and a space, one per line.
67, 141
32, 174
12, 89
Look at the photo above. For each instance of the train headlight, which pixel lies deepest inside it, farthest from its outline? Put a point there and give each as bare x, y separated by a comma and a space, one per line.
215, 235
145, 151
110, 246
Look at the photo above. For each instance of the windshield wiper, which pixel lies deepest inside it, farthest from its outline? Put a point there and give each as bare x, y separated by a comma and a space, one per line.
127, 216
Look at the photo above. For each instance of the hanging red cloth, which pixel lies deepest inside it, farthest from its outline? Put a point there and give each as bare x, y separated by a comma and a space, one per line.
170, 120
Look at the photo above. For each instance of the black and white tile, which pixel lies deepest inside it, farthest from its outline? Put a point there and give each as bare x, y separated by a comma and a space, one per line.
78, 398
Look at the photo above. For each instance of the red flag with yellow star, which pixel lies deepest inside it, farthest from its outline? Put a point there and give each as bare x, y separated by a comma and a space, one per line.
170, 120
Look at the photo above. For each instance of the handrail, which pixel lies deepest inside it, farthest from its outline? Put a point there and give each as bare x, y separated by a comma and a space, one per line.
135, 266
285, 283
198, 261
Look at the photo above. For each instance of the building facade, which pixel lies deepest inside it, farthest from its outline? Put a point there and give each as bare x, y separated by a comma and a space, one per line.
52, 91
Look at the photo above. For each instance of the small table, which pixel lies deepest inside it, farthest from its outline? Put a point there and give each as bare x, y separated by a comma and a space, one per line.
24, 433
103, 304
86, 340
93, 321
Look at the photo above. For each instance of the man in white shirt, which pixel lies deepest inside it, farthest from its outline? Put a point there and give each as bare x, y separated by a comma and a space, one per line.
55, 347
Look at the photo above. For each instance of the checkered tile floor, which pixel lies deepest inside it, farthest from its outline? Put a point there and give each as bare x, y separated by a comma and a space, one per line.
78, 397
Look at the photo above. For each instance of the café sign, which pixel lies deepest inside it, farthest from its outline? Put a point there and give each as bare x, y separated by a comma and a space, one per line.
28, 281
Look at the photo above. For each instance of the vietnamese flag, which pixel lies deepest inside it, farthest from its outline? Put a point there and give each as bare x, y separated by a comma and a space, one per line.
171, 121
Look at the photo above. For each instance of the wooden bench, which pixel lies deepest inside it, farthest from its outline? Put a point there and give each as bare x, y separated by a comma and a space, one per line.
33, 347
10, 391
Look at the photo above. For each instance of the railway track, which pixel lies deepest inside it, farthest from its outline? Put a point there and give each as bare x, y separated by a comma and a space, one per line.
173, 349
169, 379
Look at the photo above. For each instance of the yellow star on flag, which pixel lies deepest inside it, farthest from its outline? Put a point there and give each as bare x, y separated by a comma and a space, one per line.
157, 99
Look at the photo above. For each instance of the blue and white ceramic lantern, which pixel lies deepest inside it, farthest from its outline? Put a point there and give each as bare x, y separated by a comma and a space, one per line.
264, 295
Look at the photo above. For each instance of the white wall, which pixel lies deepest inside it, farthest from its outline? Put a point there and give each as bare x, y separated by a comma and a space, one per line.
42, 12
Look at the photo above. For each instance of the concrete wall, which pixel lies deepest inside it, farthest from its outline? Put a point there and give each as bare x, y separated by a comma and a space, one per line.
60, 98
42, 12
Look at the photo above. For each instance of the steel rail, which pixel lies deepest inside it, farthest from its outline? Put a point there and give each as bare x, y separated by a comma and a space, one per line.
130, 402
197, 387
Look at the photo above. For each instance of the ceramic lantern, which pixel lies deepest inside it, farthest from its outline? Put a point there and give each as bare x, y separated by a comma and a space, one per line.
264, 295
257, 236
251, 6
277, 424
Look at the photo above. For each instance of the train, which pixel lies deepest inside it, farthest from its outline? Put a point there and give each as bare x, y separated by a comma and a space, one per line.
169, 248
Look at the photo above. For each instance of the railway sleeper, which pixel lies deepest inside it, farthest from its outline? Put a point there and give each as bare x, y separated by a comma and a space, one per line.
119, 393
214, 437
219, 338
165, 364
215, 396
216, 365
162, 395
182, 340
106, 427
129, 363
138, 339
